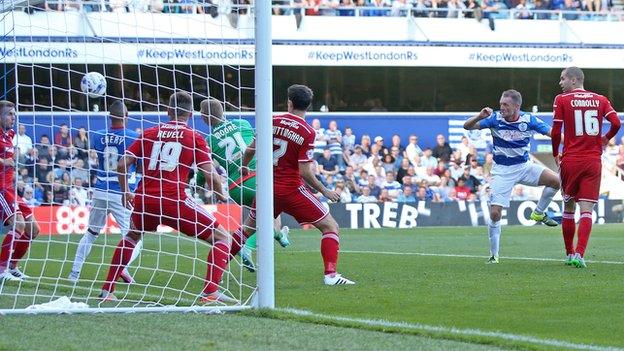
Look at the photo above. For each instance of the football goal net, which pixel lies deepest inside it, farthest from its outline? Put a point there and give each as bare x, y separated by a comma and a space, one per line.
66, 65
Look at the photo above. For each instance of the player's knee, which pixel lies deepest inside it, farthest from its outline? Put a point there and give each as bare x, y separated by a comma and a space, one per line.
18, 224
495, 215
32, 229
222, 235
328, 224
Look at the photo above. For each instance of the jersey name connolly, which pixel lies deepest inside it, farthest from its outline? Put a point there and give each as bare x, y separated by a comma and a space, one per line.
110, 145
582, 114
293, 142
511, 139
167, 153
228, 142
7, 150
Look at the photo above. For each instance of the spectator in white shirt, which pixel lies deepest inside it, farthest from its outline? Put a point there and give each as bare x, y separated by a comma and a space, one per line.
22, 141
320, 142
412, 149
366, 196
78, 195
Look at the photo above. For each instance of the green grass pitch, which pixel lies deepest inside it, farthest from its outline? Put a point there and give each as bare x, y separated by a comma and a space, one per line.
423, 288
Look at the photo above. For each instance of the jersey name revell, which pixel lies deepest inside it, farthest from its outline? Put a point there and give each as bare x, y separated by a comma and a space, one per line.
170, 134
289, 134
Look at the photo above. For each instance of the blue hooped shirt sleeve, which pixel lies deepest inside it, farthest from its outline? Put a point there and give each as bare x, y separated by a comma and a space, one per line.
489, 122
539, 126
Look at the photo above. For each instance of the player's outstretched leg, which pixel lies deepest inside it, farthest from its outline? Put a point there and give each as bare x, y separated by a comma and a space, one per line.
84, 248
551, 182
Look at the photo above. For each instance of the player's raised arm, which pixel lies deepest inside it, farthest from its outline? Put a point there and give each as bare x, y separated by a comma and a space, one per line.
215, 180
307, 173
555, 131
473, 122
613, 118
122, 169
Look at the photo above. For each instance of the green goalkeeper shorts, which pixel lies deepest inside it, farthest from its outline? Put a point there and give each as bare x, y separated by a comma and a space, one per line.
245, 194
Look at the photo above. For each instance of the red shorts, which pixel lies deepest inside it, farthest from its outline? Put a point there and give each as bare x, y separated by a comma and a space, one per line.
183, 215
580, 179
301, 204
11, 204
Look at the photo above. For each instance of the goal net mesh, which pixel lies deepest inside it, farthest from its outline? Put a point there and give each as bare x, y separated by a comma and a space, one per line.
146, 51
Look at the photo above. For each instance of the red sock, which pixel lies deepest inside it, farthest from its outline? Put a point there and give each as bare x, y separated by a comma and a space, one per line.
122, 255
330, 245
568, 228
5, 251
21, 243
218, 258
238, 240
584, 229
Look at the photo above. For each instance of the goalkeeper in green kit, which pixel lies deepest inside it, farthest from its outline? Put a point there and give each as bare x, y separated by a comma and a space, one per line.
228, 140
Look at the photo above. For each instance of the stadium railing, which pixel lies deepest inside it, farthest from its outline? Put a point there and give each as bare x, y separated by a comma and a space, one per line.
196, 7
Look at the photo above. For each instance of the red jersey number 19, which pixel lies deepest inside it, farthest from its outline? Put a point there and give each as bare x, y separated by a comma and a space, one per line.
167, 153
586, 120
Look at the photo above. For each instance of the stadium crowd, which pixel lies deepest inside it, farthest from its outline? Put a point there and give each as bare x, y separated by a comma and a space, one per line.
523, 9
60, 169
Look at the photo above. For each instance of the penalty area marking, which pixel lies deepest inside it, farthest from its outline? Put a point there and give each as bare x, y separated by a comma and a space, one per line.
456, 331
543, 259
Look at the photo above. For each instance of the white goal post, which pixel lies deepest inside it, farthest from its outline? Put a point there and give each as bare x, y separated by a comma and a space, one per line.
145, 54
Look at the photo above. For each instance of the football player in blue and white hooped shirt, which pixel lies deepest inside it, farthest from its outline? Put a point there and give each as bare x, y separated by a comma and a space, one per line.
512, 131
110, 144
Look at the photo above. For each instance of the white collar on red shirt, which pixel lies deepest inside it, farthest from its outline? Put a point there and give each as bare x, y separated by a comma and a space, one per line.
177, 122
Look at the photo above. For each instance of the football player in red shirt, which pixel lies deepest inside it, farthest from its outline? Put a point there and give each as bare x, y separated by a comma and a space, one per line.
293, 150
581, 113
13, 211
167, 152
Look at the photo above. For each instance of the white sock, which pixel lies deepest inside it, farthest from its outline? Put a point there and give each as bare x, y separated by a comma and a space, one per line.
84, 248
545, 199
494, 231
136, 251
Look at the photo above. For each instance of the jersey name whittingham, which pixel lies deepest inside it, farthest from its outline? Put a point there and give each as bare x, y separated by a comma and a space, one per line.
512, 139
110, 145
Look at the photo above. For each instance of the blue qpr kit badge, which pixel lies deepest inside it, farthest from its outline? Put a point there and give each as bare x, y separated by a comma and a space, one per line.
523, 127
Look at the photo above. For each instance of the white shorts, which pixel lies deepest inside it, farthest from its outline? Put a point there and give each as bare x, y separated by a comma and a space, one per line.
504, 178
105, 203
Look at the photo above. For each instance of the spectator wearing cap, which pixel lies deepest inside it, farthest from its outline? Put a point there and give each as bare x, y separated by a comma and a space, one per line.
379, 141
442, 150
